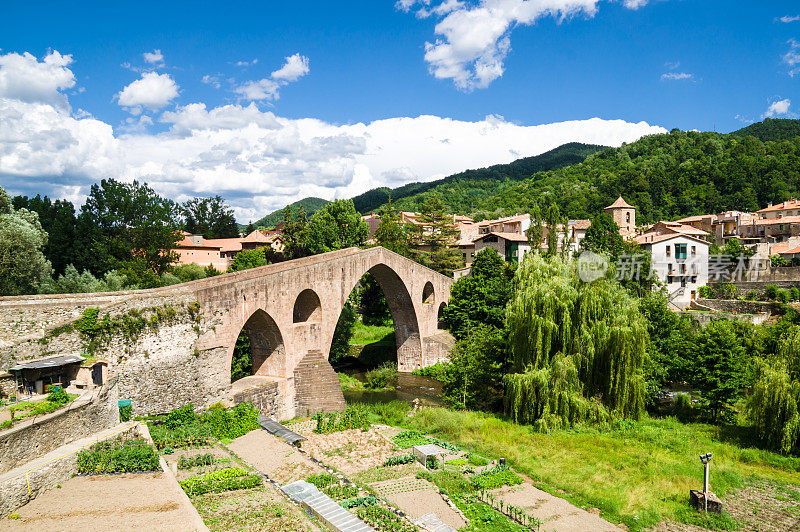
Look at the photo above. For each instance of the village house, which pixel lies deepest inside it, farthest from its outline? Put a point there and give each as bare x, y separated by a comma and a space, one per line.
220, 252
780, 210
511, 246
680, 261
624, 216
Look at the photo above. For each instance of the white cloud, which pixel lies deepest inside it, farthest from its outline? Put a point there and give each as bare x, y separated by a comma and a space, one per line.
246, 63
153, 91
294, 67
792, 57
778, 108
789, 18
475, 38
676, 76
259, 161
211, 80
153, 57
25, 78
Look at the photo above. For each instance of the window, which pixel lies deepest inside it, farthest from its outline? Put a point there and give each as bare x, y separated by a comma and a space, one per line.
627, 217
668, 251
694, 251
683, 269
670, 269
490, 238
680, 251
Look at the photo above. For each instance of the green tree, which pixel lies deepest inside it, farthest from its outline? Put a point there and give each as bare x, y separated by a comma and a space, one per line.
553, 221
371, 302
474, 377
603, 236
535, 231
578, 349
391, 232
138, 227
242, 360
58, 219
720, 366
480, 298
295, 228
434, 237
340, 346
209, 217
23, 266
249, 258
336, 226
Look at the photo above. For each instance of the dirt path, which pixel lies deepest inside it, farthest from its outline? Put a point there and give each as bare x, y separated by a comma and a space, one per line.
129, 501
555, 513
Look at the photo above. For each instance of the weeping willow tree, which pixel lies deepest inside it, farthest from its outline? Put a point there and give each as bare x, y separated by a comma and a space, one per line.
773, 405
577, 348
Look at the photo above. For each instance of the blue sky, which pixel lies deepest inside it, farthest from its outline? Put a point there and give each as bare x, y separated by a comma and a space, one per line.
365, 72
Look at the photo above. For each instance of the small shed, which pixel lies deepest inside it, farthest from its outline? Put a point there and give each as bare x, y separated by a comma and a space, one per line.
92, 373
423, 452
58, 370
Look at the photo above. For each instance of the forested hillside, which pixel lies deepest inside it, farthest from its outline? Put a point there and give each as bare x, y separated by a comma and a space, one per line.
771, 129
463, 190
310, 205
664, 176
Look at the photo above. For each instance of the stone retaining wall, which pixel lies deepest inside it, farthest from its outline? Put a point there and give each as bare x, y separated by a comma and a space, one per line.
264, 398
32, 439
734, 306
318, 387
45, 474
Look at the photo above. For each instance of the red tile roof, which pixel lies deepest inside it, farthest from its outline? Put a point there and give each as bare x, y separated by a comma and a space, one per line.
791, 204
620, 204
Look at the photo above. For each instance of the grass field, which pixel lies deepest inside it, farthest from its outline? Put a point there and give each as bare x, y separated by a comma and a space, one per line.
636, 473
370, 334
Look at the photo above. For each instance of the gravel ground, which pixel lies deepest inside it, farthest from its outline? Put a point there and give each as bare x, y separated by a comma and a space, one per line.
144, 501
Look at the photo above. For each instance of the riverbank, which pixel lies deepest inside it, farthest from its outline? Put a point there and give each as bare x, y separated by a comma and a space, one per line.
636, 473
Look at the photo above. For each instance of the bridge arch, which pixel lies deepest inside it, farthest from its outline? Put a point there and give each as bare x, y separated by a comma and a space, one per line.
401, 306
307, 307
440, 316
428, 294
267, 345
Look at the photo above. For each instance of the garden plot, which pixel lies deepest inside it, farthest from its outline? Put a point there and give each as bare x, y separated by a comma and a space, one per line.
350, 451
130, 501
273, 457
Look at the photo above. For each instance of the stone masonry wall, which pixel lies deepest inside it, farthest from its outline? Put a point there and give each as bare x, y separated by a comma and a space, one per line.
31, 440
20, 490
740, 307
317, 385
264, 398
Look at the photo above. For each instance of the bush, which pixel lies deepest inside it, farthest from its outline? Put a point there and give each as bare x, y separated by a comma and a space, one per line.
783, 296
59, 397
771, 291
704, 291
228, 479
119, 457
437, 371
380, 378
410, 438
322, 480
794, 293
181, 417
233, 423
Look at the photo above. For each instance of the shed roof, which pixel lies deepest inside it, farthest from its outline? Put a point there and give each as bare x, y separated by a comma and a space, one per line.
49, 362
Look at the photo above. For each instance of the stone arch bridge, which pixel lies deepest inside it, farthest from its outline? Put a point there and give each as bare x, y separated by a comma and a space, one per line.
174, 345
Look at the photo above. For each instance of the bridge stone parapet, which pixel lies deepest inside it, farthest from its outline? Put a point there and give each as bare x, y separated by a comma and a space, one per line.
289, 311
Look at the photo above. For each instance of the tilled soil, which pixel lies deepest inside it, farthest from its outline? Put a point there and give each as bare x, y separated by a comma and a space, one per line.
143, 501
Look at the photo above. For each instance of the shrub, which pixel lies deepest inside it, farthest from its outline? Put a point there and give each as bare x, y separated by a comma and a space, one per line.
771, 291
233, 423
181, 416
794, 293
705, 291
228, 479
783, 296
59, 397
398, 460
381, 377
118, 457
437, 371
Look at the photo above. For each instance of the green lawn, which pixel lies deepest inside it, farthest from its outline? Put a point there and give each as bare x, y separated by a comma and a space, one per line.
636, 473
370, 334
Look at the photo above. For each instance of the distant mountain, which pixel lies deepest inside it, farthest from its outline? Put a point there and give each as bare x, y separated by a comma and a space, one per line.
462, 190
771, 129
310, 205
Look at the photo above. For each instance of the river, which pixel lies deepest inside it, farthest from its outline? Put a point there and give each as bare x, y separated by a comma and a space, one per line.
407, 387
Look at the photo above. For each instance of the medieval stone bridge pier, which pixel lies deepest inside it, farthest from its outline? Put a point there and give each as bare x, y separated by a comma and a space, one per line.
174, 345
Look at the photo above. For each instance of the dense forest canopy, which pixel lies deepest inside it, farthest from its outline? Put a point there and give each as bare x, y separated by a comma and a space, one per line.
771, 129
309, 205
